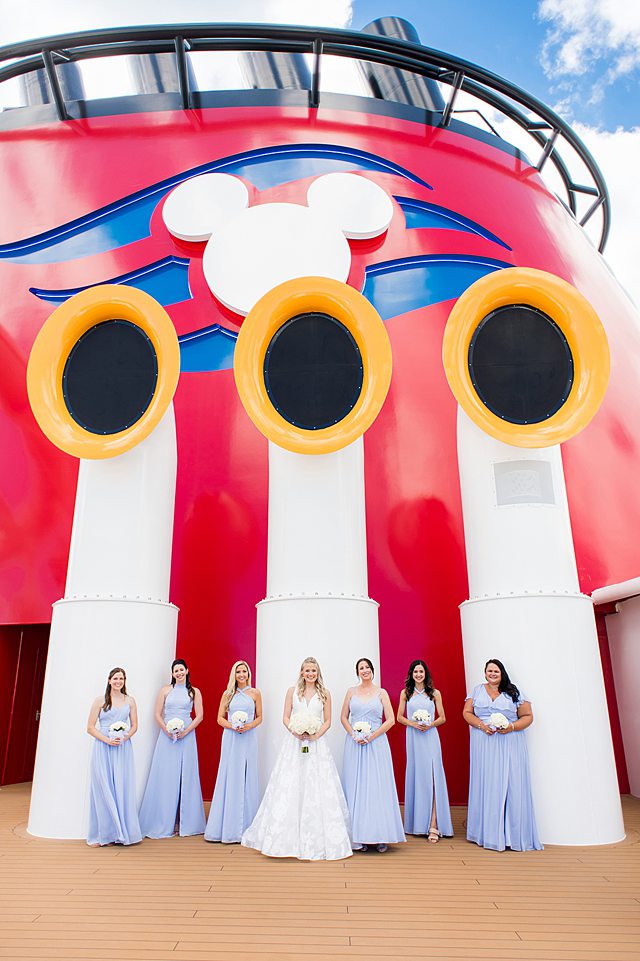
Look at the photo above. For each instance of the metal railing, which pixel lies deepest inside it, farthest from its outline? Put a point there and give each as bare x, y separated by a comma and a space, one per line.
553, 139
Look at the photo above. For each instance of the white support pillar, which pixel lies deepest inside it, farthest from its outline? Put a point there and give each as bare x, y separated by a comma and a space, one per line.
525, 607
115, 612
317, 601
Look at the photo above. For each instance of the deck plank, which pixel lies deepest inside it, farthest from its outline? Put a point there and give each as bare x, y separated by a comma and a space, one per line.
62, 900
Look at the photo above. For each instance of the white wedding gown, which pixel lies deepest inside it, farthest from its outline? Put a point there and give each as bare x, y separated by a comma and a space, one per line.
303, 813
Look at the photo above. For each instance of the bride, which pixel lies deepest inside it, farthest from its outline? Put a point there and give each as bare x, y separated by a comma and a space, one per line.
303, 813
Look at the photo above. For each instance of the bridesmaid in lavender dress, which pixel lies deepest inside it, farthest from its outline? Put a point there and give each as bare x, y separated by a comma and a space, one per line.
113, 813
173, 794
426, 800
500, 804
367, 772
236, 796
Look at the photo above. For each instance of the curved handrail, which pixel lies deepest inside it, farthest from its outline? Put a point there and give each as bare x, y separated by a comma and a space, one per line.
547, 130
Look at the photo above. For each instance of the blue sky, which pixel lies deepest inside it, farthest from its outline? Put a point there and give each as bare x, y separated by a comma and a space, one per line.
514, 39
581, 57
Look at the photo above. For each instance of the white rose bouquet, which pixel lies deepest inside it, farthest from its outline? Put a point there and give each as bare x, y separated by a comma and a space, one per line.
239, 719
362, 730
174, 726
498, 721
302, 723
118, 730
422, 717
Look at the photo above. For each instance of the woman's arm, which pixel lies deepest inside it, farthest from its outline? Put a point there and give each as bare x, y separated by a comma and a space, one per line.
159, 708
525, 719
133, 718
326, 714
440, 718
288, 710
470, 717
389, 719
222, 713
401, 715
344, 714
91, 723
198, 714
258, 718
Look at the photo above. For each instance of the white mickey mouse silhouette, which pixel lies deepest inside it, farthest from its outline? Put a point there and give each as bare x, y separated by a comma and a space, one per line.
250, 250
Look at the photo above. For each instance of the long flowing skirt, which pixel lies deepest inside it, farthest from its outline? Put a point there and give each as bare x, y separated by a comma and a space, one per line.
173, 790
425, 784
303, 813
236, 794
370, 789
500, 803
113, 812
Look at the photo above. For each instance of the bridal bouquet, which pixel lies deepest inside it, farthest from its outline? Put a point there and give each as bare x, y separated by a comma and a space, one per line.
422, 717
174, 726
303, 722
499, 721
117, 729
362, 730
239, 719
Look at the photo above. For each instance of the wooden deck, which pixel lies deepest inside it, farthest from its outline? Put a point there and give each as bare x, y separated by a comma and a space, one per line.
184, 900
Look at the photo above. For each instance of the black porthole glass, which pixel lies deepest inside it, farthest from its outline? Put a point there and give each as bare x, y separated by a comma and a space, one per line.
520, 364
110, 377
313, 371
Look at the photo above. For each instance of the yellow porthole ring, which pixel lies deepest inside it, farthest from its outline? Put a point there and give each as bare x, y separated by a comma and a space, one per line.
290, 299
577, 320
54, 343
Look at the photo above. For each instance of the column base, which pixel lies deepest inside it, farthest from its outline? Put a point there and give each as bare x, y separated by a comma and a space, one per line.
549, 645
88, 638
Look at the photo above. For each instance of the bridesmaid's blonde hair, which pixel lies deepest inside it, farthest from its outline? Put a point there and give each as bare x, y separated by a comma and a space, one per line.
232, 686
320, 688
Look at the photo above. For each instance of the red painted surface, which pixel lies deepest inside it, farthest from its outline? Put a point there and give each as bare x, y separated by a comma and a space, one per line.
53, 174
23, 655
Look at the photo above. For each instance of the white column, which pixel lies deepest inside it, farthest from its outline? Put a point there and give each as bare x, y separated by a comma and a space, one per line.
317, 602
526, 609
115, 612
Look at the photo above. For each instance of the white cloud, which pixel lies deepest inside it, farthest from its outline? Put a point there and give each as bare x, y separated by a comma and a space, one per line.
39, 18
585, 32
617, 154
598, 41
110, 77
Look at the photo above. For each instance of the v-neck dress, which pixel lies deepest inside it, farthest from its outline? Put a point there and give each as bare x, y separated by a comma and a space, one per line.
303, 813
368, 780
500, 811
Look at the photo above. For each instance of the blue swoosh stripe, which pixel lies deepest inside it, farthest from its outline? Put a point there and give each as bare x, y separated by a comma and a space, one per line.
166, 280
208, 349
394, 288
399, 286
127, 220
419, 214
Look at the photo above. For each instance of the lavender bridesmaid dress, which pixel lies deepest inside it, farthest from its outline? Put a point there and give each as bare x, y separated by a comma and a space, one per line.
173, 791
500, 804
424, 778
113, 813
368, 780
236, 795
